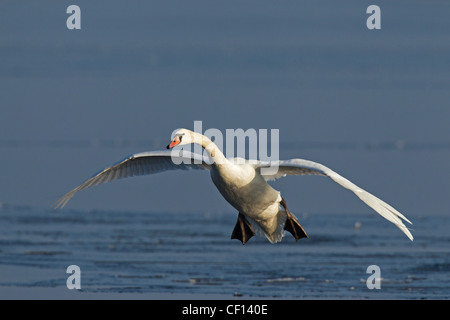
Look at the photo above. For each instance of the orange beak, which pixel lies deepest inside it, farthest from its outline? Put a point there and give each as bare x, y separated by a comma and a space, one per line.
174, 143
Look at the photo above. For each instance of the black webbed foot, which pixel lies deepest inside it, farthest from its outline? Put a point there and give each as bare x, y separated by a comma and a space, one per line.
292, 225
243, 231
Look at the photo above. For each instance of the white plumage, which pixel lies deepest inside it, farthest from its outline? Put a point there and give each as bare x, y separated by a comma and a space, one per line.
242, 183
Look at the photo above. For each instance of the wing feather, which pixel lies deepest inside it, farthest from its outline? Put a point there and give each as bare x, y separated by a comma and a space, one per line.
140, 164
303, 167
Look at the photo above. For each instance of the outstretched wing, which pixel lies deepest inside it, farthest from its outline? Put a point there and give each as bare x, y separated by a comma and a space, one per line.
306, 167
140, 164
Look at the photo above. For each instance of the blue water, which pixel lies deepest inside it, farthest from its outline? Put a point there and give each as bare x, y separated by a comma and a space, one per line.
151, 254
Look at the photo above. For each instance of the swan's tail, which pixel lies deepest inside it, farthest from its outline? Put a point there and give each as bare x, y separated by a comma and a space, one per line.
278, 224
275, 229
272, 229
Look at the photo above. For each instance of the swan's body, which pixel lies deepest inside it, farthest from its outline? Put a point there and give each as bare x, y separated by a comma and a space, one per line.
242, 183
247, 191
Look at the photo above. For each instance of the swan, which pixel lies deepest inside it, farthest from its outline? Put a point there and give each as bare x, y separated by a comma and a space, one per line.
261, 209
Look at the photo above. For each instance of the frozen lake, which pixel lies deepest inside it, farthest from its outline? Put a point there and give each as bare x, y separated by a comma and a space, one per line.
190, 256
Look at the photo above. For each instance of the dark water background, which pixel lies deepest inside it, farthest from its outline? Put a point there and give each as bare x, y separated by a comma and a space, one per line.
166, 255
373, 105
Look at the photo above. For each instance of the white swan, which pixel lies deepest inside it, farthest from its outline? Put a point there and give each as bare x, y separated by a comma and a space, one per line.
244, 185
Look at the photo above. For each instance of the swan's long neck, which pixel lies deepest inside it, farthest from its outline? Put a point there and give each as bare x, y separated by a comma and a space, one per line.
215, 154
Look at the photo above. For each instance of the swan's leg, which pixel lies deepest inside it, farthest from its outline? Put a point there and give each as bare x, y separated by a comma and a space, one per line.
243, 230
292, 225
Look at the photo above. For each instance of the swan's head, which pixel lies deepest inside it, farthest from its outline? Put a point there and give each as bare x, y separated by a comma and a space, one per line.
180, 137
